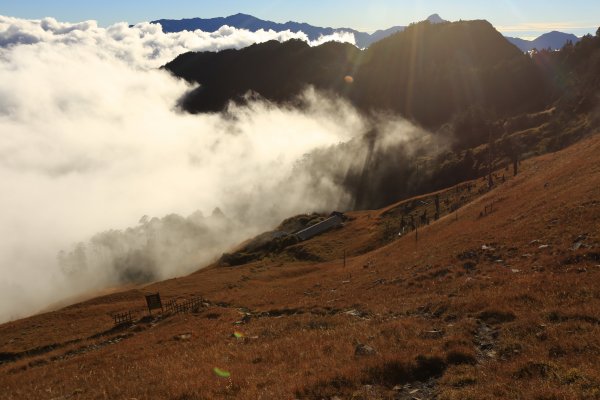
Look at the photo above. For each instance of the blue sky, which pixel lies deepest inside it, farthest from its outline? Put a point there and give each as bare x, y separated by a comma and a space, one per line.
514, 18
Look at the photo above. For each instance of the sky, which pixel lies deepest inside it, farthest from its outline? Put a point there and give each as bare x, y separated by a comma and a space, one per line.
526, 19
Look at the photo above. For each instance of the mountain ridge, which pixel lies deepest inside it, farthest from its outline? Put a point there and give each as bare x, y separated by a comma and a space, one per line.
252, 23
553, 40
381, 74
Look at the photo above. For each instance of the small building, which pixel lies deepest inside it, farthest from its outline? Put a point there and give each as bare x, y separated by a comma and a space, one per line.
332, 222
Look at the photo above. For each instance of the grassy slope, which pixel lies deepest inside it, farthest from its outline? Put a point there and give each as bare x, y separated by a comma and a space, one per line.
444, 316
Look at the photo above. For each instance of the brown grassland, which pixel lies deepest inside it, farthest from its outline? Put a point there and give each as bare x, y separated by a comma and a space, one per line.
504, 304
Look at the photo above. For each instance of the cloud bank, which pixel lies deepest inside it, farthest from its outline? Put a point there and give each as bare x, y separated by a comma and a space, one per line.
90, 141
143, 45
105, 181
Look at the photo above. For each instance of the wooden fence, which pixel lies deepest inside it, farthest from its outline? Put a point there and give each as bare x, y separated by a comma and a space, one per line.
123, 318
185, 306
170, 307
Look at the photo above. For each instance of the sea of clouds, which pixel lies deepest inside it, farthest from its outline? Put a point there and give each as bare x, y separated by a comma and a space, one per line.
104, 181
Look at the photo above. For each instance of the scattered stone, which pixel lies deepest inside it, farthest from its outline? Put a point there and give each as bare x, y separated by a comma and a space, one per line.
544, 246
364, 350
245, 319
515, 271
183, 337
356, 313
433, 334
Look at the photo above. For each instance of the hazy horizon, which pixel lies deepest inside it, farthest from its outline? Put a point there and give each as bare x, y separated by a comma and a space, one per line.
526, 21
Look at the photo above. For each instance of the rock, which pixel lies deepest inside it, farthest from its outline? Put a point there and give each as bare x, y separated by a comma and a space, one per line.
364, 350
245, 319
183, 337
469, 266
433, 334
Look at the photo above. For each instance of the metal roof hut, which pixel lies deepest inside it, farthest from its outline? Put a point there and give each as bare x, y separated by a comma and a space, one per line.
312, 231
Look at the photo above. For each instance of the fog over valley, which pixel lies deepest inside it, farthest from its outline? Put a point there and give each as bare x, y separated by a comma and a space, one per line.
105, 180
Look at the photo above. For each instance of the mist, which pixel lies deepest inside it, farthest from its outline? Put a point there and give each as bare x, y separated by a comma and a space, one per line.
104, 181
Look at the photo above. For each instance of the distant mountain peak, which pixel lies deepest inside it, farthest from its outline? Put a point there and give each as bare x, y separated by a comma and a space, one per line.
436, 19
554, 40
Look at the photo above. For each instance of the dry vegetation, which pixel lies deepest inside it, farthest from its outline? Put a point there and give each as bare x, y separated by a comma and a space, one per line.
503, 305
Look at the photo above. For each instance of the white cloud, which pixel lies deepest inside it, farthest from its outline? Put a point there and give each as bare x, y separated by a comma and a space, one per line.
144, 45
90, 141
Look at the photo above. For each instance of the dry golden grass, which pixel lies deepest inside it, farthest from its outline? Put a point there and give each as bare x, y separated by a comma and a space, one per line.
447, 318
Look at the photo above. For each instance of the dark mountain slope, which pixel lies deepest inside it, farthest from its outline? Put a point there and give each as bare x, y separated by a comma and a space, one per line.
431, 72
277, 71
428, 72
574, 73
